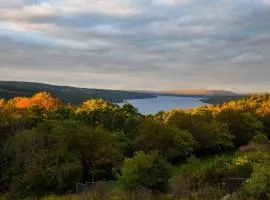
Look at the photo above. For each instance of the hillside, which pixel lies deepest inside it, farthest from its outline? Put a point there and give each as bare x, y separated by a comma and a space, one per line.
221, 99
200, 92
10, 89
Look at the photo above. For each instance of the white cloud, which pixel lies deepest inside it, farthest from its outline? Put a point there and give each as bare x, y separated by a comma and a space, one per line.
172, 2
70, 7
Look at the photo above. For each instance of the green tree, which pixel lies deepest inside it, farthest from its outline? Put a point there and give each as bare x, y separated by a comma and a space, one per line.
210, 135
61, 153
145, 170
47, 171
242, 125
258, 185
168, 142
129, 109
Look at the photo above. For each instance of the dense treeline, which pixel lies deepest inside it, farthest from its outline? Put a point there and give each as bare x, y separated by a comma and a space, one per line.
47, 146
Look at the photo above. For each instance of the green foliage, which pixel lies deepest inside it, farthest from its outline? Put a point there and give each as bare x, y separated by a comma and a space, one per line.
48, 171
241, 166
169, 142
258, 185
101, 113
219, 170
210, 135
129, 109
56, 155
145, 170
62, 113
194, 175
242, 125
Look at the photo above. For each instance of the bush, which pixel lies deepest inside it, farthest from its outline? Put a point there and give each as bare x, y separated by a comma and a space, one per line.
49, 171
57, 154
200, 182
171, 143
210, 135
218, 170
242, 125
241, 166
145, 170
258, 185
193, 174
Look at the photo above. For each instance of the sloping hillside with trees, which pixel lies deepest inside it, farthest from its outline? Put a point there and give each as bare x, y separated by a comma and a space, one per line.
47, 147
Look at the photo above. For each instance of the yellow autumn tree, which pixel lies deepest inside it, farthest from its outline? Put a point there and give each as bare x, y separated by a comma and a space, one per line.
98, 104
45, 100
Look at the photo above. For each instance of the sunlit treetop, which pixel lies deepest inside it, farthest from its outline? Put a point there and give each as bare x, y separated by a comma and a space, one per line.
46, 100
98, 104
41, 99
22, 102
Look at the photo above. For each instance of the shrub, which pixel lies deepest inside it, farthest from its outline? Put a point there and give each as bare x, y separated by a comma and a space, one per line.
255, 156
218, 170
242, 125
242, 165
193, 174
258, 185
145, 170
210, 135
57, 154
171, 143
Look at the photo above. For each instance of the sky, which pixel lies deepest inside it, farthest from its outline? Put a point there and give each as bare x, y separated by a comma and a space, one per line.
137, 44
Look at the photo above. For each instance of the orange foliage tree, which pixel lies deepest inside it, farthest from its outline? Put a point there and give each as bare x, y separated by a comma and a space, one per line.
41, 99
22, 102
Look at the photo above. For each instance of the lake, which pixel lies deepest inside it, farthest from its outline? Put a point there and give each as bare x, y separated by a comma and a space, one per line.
164, 103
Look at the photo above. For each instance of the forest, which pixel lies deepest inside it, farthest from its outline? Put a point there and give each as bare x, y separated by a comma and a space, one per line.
49, 149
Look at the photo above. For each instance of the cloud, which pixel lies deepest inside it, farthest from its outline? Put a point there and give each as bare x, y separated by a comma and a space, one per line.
127, 44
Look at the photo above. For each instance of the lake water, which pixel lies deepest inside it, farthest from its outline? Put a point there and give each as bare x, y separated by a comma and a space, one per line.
164, 103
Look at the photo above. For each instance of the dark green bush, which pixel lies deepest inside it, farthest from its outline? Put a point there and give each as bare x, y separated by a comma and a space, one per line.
258, 185
196, 176
171, 143
145, 170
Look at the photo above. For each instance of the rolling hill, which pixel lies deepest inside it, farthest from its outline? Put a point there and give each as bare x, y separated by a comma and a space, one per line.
200, 92
10, 89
